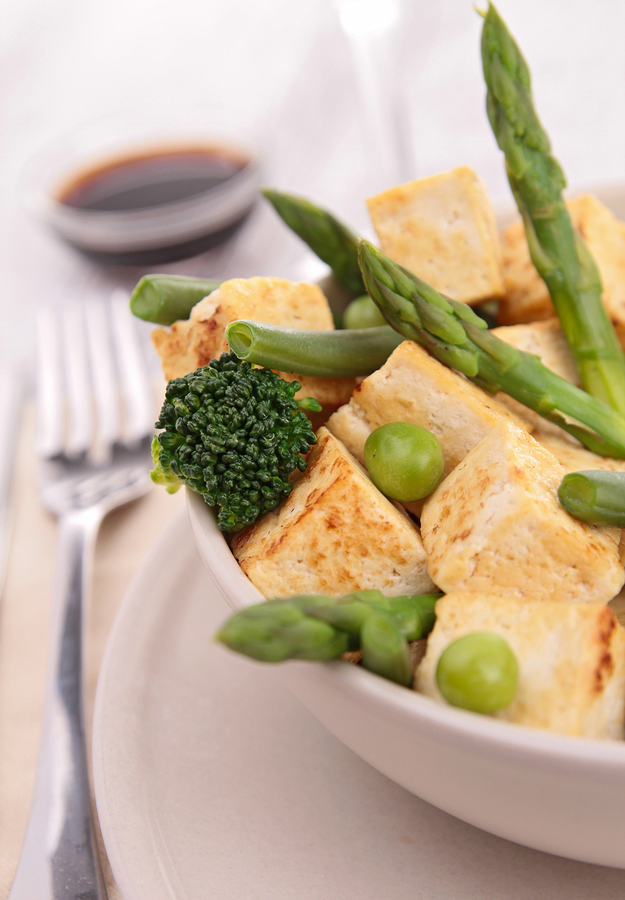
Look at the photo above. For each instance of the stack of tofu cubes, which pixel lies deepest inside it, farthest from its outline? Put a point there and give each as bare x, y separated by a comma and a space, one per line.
493, 537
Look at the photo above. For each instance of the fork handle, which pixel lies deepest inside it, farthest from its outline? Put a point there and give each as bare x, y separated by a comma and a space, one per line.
59, 858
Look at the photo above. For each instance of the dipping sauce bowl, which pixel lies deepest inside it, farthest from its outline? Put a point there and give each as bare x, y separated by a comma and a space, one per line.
139, 192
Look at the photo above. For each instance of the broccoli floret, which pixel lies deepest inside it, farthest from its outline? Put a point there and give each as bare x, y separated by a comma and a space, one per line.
233, 434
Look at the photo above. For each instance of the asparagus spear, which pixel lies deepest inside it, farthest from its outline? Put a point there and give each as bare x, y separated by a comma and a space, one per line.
325, 354
556, 247
331, 240
384, 650
594, 496
456, 336
317, 627
164, 299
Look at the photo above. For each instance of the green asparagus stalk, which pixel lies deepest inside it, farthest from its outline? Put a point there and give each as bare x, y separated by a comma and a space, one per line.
326, 354
165, 299
384, 650
557, 249
413, 613
331, 240
316, 627
456, 336
594, 496
276, 631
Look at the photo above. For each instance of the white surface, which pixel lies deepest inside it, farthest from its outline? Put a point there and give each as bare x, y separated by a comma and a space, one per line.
554, 793
286, 66
213, 781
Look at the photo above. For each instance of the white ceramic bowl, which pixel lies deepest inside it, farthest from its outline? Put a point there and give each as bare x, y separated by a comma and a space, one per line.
554, 793
559, 794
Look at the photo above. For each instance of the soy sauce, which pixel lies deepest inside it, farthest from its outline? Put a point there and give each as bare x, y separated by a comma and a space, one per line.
155, 179
152, 179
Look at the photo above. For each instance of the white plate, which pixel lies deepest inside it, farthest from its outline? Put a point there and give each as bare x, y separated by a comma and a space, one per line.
213, 781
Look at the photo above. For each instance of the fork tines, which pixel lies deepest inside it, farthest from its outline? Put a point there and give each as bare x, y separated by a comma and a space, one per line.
93, 387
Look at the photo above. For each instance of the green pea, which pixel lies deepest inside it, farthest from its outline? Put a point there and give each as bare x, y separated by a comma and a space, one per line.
404, 461
362, 312
478, 672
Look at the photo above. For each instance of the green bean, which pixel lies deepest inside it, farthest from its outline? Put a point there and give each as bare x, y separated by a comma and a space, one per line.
594, 496
165, 299
325, 354
478, 672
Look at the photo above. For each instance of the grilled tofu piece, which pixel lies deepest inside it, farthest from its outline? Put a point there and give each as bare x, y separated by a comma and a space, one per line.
546, 340
571, 659
414, 387
443, 228
495, 524
193, 342
336, 533
526, 296
576, 458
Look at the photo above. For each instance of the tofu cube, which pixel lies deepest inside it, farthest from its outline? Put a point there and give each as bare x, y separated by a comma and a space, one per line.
495, 524
414, 387
336, 533
546, 340
193, 342
526, 296
571, 659
575, 457
443, 228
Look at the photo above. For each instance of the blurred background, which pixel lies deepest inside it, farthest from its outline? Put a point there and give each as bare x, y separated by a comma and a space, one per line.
286, 72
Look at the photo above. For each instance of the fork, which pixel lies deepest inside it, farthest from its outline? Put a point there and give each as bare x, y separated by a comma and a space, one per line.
91, 460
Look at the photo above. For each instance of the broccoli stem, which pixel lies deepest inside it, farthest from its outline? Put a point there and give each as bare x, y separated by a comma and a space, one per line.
326, 354
596, 497
331, 240
556, 248
317, 627
456, 336
165, 299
